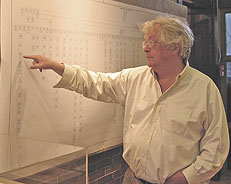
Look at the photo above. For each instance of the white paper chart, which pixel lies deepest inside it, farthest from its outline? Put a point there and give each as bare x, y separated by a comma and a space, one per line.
100, 35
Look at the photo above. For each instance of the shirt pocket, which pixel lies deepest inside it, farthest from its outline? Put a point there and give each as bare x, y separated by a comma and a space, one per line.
175, 118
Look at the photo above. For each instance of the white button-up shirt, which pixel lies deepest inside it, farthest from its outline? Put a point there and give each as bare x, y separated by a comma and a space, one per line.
184, 128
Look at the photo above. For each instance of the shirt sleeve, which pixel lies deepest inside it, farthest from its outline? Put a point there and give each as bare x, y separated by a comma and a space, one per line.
214, 145
106, 87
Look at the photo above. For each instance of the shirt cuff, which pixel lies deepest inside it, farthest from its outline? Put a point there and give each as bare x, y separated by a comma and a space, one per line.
191, 175
68, 73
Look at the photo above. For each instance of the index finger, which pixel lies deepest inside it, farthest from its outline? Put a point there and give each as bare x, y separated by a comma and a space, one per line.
31, 57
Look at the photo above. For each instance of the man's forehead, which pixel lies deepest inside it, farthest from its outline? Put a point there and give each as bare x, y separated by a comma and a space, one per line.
151, 34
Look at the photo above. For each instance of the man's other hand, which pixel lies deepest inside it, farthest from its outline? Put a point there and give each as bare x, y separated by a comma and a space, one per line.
177, 178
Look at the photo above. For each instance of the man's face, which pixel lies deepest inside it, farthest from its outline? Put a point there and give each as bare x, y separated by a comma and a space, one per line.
156, 51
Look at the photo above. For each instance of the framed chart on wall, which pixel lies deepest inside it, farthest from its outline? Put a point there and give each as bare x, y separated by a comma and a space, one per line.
100, 35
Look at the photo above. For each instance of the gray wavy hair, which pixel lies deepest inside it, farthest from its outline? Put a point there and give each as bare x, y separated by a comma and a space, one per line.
172, 30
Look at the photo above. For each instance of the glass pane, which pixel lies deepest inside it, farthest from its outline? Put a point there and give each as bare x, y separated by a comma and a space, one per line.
229, 91
229, 70
228, 33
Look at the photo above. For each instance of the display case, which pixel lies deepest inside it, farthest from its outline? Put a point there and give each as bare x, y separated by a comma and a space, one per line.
30, 161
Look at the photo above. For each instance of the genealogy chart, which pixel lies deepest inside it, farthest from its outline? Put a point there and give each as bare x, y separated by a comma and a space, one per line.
100, 35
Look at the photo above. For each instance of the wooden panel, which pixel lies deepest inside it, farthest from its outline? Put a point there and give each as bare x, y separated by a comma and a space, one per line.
224, 4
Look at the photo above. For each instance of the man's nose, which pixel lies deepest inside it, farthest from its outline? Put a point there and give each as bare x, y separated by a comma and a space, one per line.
146, 49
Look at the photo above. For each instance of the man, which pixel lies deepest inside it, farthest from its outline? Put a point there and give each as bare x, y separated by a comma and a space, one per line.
175, 127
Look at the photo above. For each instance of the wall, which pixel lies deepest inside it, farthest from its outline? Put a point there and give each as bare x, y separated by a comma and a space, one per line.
30, 106
107, 167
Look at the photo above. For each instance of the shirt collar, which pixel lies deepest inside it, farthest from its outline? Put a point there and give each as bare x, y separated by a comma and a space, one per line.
183, 73
153, 73
179, 76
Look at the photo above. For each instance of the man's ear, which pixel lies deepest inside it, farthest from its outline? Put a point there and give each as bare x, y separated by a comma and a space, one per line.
175, 48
